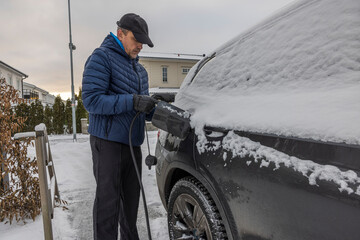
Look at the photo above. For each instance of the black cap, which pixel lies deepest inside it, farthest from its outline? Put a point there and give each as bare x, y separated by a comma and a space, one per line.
137, 26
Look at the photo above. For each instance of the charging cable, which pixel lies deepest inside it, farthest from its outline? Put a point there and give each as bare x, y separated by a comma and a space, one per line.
138, 173
149, 160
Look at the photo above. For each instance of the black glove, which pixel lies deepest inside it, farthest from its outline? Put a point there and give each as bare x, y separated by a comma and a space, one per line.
143, 103
166, 97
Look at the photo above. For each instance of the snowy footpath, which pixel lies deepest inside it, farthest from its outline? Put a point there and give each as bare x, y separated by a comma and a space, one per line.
73, 166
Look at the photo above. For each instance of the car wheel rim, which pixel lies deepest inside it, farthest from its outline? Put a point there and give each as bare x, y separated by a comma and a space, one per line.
188, 219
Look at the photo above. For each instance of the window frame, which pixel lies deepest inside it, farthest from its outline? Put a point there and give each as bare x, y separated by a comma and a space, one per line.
165, 74
185, 70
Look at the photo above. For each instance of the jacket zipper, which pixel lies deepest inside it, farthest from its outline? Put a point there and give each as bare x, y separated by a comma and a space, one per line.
137, 74
139, 91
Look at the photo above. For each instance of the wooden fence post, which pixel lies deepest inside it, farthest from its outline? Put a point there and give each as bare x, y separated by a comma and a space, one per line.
45, 166
44, 189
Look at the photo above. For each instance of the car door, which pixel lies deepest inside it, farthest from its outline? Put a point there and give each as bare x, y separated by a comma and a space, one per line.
274, 188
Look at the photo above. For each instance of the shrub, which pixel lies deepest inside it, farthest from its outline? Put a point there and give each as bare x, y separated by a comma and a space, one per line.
20, 197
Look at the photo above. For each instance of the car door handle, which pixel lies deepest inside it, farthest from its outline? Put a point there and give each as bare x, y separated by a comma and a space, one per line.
214, 134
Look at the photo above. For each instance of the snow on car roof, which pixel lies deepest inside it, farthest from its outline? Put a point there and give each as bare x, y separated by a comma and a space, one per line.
295, 74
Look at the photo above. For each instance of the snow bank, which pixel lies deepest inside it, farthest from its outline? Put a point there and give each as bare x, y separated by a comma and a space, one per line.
74, 172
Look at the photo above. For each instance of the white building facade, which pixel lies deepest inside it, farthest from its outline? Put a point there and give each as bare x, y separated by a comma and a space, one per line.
32, 92
12, 76
26, 90
167, 71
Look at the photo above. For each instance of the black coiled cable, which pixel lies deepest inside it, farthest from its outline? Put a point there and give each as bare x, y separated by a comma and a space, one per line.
138, 176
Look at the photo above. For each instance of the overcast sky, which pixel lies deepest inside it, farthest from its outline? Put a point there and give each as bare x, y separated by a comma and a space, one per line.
34, 34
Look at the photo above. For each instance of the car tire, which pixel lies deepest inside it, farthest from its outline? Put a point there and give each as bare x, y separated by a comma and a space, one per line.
192, 214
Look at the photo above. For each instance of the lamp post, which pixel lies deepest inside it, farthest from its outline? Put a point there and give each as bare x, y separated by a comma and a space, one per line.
72, 47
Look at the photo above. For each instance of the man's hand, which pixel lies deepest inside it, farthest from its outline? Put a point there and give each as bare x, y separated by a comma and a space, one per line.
143, 103
166, 97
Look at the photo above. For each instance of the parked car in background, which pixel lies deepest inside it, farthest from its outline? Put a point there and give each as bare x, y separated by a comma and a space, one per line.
274, 146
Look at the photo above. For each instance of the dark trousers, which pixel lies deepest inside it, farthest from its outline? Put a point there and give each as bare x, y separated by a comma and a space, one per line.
117, 190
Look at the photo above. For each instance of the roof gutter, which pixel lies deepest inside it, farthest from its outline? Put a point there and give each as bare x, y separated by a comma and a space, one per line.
22, 85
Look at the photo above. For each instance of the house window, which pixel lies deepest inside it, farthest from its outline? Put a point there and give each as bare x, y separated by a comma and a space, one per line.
165, 74
185, 70
18, 84
10, 80
29, 94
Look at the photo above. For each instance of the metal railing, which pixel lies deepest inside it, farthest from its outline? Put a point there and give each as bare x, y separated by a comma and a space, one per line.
49, 190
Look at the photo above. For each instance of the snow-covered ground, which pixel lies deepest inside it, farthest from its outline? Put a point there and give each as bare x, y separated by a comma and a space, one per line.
73, 166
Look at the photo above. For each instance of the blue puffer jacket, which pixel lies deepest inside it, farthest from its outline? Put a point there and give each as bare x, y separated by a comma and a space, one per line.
110, 78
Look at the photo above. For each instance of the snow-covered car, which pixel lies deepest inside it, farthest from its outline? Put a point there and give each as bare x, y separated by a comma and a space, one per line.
274, 146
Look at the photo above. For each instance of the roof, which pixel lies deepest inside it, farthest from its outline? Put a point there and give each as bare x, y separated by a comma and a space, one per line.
13, 69
163, 90
34, 87
179, 56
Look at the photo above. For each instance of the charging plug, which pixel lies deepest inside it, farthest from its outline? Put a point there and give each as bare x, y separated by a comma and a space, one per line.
150, 161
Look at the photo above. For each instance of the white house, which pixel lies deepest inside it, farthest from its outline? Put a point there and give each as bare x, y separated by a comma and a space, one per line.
32, 92
13, 76
167, 71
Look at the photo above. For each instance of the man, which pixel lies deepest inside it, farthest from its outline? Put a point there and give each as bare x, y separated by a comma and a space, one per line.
114, 88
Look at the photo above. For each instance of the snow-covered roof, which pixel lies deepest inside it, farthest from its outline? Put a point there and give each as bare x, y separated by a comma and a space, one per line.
163, 90
13, 69
34, 87
172, 56
295, 74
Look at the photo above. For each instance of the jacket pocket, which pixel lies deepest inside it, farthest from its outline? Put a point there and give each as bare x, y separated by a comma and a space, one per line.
108, 126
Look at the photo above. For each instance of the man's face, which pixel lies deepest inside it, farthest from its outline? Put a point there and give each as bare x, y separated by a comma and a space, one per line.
132, 47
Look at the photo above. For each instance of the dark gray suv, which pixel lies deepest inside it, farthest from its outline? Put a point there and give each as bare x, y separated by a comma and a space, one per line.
269, 144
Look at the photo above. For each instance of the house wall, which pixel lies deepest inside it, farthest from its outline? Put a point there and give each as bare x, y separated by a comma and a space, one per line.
12, 78
43, 96
154, 67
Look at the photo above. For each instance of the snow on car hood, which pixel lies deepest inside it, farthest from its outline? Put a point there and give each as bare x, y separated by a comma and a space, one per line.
296, 74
